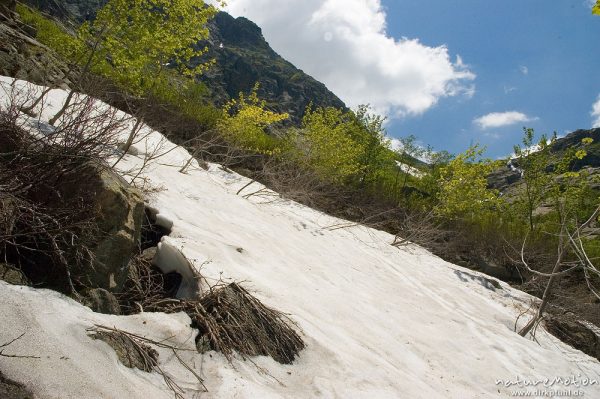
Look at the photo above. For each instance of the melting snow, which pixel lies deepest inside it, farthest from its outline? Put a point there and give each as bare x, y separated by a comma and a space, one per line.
379, 322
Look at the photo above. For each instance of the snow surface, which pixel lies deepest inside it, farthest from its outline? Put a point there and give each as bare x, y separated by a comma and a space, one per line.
379, 322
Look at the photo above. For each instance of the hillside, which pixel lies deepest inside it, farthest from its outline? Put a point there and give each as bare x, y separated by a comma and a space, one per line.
507, 178
243, 58
378, 321
246, 58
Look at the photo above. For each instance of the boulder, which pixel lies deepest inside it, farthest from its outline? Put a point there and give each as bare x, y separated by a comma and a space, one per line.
23, 57
101, 301
120, 210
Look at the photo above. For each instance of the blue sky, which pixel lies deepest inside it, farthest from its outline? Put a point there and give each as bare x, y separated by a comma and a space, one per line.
541, 58
453, 73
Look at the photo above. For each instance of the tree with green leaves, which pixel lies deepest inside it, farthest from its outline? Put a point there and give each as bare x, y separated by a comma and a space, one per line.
134, 41
532, 160
596, 8
376, 157
574, 207
409, 150
463, 192
328, 146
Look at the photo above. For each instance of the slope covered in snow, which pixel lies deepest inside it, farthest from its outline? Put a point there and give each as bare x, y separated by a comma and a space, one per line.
378, 322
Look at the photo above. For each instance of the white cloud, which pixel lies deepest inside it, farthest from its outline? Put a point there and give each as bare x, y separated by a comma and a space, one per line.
344, 44
524, 70
499, 119
596, 113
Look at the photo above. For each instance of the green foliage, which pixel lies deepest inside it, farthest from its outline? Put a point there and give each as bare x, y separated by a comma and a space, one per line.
463, 192
533, 160
407, 155
244, 122
345, 147
189, 97
376, 158
143, 45
410, 149
596, 8
142, 38
329, 146
570, 191
50, 33
548, 179
428, 184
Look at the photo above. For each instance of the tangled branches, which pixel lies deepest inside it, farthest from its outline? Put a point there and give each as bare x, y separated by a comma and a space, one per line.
228, 317
136, 351
231, 319
47, 220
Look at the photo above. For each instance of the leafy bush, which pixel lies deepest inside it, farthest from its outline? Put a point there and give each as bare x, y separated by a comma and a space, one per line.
244, 121
463, 191
328, 146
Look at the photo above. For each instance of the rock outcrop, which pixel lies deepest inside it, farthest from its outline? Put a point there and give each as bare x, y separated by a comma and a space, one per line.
120, 210
573, 140
23, 57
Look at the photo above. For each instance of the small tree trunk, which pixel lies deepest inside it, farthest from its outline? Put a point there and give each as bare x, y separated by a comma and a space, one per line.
129, 142
83, 73
548, 290
29, 109
61, 112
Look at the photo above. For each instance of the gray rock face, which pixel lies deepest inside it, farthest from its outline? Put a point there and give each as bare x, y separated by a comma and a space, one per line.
79, 10
507, 176
500, 179
243, 57
573, 140
120, 211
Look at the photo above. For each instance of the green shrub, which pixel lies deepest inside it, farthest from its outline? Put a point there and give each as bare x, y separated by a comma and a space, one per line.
244, 121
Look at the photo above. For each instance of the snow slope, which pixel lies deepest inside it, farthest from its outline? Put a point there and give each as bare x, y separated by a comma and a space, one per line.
379, 322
